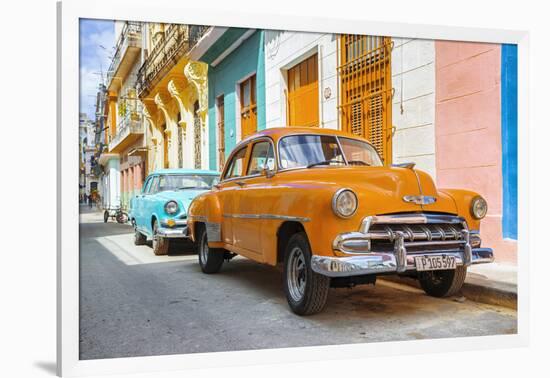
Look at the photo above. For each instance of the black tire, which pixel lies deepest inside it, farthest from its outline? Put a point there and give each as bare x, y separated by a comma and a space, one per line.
210, 259
160, 245
105, 216
139, 238
443, 283
312, 298
122, 217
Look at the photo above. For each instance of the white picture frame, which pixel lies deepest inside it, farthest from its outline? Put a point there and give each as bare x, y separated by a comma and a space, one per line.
69, 13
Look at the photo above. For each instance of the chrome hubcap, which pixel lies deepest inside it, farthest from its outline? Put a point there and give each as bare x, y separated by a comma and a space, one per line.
296, 274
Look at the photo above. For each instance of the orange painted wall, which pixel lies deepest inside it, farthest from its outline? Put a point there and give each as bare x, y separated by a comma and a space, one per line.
468, 130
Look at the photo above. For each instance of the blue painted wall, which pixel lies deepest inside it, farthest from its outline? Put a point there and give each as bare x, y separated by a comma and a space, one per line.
509, 109
247, 59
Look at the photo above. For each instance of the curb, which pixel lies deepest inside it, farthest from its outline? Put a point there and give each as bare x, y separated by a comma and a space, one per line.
475, 289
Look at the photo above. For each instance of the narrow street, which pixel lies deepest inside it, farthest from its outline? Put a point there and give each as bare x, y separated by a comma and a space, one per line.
133, 303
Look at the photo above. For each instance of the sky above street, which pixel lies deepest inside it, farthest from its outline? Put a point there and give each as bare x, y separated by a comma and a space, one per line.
97, 40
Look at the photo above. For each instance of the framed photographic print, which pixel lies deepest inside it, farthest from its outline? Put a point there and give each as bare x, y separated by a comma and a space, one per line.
279, 189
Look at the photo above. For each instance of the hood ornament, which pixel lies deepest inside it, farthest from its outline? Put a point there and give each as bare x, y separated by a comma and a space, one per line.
409, 165
420, 200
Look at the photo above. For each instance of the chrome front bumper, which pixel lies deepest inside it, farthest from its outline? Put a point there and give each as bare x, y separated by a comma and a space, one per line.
432, 235
177, 230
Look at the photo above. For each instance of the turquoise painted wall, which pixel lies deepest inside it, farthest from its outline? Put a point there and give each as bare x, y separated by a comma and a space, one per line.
247, 59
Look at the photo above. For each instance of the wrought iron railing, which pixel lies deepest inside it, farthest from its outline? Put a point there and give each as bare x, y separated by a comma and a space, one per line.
130, 123
130, 36
175, 42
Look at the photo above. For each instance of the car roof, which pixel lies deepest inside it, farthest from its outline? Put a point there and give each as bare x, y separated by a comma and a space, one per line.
279, 132
185, 171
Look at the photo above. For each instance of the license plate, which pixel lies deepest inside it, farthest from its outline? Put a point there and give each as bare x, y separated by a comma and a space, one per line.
437, 262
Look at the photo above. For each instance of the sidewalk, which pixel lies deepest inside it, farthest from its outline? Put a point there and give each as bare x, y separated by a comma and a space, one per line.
494, 284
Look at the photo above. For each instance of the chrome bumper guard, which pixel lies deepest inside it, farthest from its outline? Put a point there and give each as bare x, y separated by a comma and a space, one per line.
409, 235
178, 230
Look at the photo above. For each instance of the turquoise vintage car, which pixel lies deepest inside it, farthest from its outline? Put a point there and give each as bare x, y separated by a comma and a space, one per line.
159, 212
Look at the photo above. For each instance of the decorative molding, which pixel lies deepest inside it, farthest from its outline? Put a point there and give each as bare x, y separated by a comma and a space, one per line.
162, 106
197, 74
176, 94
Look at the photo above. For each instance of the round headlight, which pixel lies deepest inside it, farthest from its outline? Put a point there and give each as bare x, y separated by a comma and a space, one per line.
478, 207
344, 203
171, 207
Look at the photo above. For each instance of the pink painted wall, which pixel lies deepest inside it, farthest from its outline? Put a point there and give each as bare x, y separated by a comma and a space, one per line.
468, 130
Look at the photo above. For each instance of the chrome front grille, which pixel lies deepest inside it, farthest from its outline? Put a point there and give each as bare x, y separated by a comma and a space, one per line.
417, 237
398, 236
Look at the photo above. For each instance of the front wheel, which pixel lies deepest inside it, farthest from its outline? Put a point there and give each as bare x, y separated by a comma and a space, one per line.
105, 216
210, 259
443, 283
306, 291
160, 245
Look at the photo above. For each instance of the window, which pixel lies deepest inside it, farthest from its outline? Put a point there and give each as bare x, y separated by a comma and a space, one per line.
248, 107
181, 182
359, 153
303, 93
261, 156
153, 187
366, 90
147, 185
236, 165
303, 150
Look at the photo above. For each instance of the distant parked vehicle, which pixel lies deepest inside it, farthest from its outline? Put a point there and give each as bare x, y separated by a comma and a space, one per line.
159, 212
115, 213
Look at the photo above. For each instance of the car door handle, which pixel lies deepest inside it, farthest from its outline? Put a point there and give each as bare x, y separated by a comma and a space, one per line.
240, 183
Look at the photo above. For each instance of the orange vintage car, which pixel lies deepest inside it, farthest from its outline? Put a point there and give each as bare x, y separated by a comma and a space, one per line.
322, 203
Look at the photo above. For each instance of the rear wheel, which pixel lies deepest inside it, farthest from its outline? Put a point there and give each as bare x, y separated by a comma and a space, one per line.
306, 291
443, 283
160, 244
210, 259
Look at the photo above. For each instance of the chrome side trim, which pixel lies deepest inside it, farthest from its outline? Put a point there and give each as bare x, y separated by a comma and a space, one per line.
199, 218
267, 216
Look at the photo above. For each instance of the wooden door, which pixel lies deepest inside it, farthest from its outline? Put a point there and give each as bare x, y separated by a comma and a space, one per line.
366, 90
303, 93
249, 122
221, 132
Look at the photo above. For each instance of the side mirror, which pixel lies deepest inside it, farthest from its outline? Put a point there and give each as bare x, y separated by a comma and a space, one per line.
268, 173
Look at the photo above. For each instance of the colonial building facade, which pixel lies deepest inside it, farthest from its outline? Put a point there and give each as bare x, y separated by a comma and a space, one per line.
447, 106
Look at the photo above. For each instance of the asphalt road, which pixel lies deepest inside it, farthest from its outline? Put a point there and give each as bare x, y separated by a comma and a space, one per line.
133, 303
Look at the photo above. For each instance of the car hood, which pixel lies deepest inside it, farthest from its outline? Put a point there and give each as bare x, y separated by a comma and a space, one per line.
381, 190
183, 197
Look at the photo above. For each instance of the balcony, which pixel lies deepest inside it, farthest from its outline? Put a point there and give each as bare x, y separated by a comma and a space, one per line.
129, 129
173, 44
127, 50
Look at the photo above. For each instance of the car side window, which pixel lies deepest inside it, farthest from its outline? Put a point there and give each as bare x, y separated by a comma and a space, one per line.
153, 187
262, 155
236, 166
146, 185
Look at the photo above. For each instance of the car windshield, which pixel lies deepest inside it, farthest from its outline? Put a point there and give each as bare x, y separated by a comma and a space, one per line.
180, 182
315, 150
